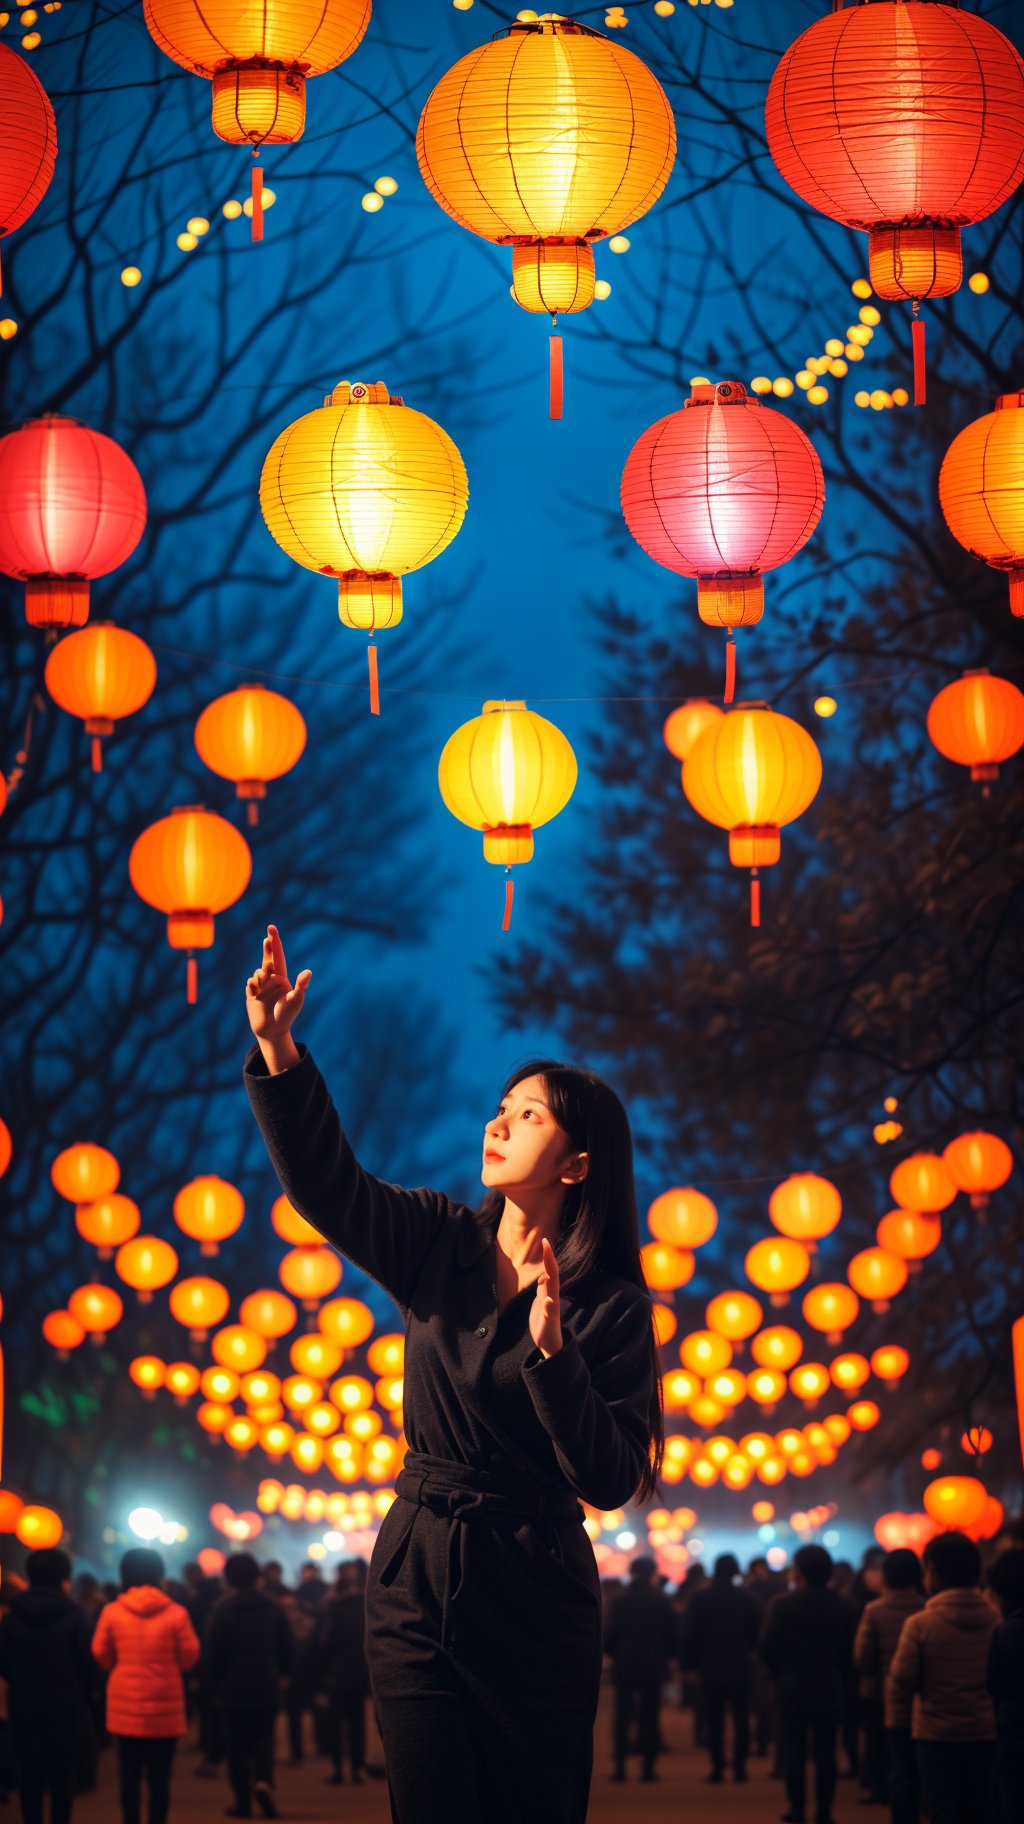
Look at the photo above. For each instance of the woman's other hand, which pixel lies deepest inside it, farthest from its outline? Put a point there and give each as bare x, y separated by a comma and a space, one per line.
271, 1001
545, 1314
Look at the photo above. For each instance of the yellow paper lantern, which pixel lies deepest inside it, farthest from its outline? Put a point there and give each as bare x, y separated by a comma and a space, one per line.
735, 1315
831, 1308
208, 1210
777, 1266
806, 1208
683, 1217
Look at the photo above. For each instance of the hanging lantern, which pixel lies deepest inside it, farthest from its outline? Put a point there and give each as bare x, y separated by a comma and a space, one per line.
750, 774
310, 1274
831, 1309
214, 1418
218, 1384
809, 1381
292, 1228
238, 1347
906, 120
108, 1222
315, 1356
734, 1315
683, 1217
63, 1332
11, 1505
28, 141
269, 1313
182, 1380
912, 1236
978, 1164
546, 139
777, 1347
687, 722
72, 507
84, 1172
705, 1352
981, 492
806, 1208
346, 1321
250, 735
922, 1183
666, 1268
208, 1210
723, 490
976, 1441
190, 865
1018, 1375
848, 1372
955, 1501
838, 1427
978, 721
258, 59
366, 490
889, 1363
505, 773
146, 1263
863, 1415
40, 1528
777, 1266
100, 674
877, 1275
386, 1354
766, 1387
199, 1304
148, 1373
97, 1308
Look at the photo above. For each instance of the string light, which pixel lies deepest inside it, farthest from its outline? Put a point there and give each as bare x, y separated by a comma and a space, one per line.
372, 202
602, 289
187, 241
130, 276
385, 186
825, 706
978, 282
198, 225
619, 243
232, 209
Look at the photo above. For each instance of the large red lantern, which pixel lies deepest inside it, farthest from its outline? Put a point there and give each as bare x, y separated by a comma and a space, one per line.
28, 140
72, 507
723, 490
904, 118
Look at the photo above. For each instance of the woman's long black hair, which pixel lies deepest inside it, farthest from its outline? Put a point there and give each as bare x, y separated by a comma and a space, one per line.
599, 1225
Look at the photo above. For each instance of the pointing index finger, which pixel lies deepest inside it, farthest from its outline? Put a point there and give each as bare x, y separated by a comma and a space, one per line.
277, 947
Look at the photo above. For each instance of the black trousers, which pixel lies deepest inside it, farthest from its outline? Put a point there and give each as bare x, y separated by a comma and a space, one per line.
874, 1766
904, 1778
823, 1727
735, 1697
149, 1756
639, 1703
441, 1763
346, 1722
956, 1778
250, 1741
44, 1745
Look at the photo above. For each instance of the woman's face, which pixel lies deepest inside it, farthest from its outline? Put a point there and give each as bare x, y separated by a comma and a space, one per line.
524, 1148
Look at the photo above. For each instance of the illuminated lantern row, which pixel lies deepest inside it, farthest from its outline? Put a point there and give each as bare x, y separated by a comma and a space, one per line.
978, 721
72, 507
28, 141
751, 773
981, 491
723, 490
190, 865
546, 139
806, 1208
906, 120
100, 674
366, 490
250, 736
504, 773
258, 59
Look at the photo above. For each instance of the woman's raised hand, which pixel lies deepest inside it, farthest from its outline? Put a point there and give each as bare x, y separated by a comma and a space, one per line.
270, 999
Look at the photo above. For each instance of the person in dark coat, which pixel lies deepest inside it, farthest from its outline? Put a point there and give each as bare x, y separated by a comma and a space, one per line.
806, 1643
343, 1673
761, 1584
639, 1638
46, 1660
248, 1650
531, 1385
890, 1763
719, 1634
1006, 1686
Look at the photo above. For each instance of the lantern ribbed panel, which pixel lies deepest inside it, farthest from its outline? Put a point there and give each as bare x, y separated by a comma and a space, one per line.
553, 276
192, 860
365, 487
754, 767
71, 501
722, 487
257, 106
978, 720
549, 131
981, 485
251, 733
28, 140
102, 671
316, 35
900, 111
506, 766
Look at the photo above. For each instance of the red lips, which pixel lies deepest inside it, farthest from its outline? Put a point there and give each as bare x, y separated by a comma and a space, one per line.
493, 1155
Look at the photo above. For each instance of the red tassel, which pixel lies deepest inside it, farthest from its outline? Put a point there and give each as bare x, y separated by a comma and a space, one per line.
507, 920
193, 981
371, 660
755, 899
257, 201
730, 670
917, 336
555, 376
253, 814
97, 754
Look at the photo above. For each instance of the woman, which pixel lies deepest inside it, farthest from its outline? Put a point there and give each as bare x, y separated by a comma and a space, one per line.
530, 1381
146, 1643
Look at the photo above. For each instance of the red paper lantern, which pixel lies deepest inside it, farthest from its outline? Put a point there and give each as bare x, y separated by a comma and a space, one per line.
72, 507
723, 490
28, 140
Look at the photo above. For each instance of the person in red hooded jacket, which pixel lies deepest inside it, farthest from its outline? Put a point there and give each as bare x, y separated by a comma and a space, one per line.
146, 1643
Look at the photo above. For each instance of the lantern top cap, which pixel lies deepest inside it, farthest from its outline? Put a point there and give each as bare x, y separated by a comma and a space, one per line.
1007, 401
755, 703
979, 671
362, 392
494, 703
179, 810
717, 392
549, 22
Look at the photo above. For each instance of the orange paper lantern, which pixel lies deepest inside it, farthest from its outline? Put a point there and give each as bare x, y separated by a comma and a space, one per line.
63, 1332
666, 1268
877, 1275
981, 493
978, 721
809, 1381
735, 1315
831, 1308
11, 1505
269, 1313
310, 1274
777, 1347
911, 1236
108, 1222
347, 1321
40, 1528
922, 1183
146, 1263
84, 1172
777, 1266
978, 1164
683, 1217
293, 1228
190, 865
100, 674
251, 735
148, 1373
238, 1347
848, 1372
687, 722
199, 1304
97, 1308
806, 1208
208, 1210
890, 1362
955, 1501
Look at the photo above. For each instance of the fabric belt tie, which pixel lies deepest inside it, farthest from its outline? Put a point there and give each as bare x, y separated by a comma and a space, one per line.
464, 1492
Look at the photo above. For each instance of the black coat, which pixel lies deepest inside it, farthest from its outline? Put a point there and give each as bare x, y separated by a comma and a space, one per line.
640, 1635
482, 1583
247, 1649
45, 1653
340, 1645
807, 1644
720, 1629
1006, 1681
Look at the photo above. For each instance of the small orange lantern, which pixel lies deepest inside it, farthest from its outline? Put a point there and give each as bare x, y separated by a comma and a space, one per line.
147, 1372
386, 1354
683, 1217
310, 1274
978, 1164
293, 1228
347, 1321
735, 1315
777, 1266
238, 1347
219, 1385
182, 1380
40, 1528
889, 1363
705, 1353
63, 1332
666, 1268
777, 1347
912, 1236
251, 735
190, 865
762, 1512
199, 1304
108, 1222
214, 1418
955, 1501
298, 1391
687, 722
806, 1208
838, 1428
766, 1387
758, 1445
316, 1356
97, 1308
146, 1263
931, 1458
100, 673
877, 1275
809, 1381
83, 1172
831, 1308
241, 1434
208, 1210
863, 1415
771, 1472
269, 1313
978, 721
981, 494
848, 1372
922, 1183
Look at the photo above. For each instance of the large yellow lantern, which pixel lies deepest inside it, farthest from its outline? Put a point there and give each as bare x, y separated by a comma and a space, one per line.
547, 138
751, 773
505, 773
366, 490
